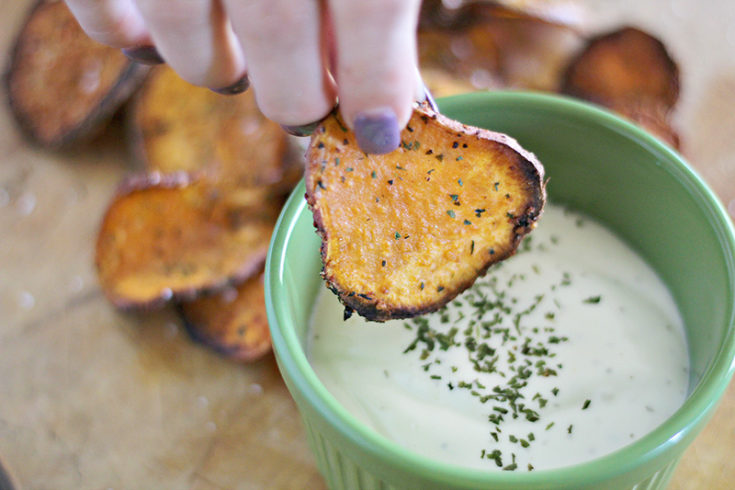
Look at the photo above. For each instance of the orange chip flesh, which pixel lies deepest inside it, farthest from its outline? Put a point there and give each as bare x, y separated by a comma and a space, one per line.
404, 233
177, 126
232, 323
62, 85
624, 66
174, 236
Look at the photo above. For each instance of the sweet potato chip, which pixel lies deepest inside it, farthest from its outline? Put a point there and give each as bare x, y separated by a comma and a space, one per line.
485, 45
63, 86
175, 236
533, 52
458, 59
177, 126
625, 66
630, 72
404, 233
232, 322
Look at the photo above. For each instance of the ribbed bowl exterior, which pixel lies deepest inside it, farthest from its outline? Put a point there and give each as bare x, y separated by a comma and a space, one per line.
342, 472
692, 247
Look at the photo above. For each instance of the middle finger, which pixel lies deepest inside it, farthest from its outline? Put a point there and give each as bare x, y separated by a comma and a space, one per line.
195, 38
283, 43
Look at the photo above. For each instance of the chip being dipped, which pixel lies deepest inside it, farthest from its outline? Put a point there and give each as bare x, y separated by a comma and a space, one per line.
406, 232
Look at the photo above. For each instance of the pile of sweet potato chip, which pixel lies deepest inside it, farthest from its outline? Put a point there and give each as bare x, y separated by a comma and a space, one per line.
486, 45
192, 227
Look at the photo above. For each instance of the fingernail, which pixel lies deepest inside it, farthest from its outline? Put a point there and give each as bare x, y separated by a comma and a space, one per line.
430, 99
377, 131
238, 87
147, 55
303, 130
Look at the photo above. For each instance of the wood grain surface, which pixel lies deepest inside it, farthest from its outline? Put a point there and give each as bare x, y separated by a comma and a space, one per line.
91, 398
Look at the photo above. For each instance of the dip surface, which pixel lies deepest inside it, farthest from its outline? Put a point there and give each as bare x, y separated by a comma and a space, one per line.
567, 351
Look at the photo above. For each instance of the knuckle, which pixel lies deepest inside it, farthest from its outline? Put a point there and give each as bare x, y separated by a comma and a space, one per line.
276, 26
180, 14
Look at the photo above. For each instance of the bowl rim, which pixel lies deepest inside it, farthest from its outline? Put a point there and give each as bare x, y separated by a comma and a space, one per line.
684, 423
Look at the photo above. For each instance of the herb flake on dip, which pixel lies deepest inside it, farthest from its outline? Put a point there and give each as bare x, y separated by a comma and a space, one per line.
565, 352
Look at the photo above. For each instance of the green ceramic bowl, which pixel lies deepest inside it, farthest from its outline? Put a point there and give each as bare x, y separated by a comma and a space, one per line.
599, 164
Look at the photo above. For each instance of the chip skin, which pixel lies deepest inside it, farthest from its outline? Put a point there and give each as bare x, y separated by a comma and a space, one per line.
176, 236
404, 233
62, 86
233, 322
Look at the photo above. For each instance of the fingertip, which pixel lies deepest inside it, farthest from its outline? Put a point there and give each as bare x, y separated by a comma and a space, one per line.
377, 67
282, 41
377, 130
378, 119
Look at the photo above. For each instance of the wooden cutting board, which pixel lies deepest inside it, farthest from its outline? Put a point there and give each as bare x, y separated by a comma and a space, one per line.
91, 398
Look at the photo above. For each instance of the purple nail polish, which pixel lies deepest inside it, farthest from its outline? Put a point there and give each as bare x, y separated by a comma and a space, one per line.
238, 87
146, 55
377, 131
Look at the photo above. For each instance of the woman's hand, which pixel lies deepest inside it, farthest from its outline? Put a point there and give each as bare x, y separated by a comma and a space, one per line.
300, 56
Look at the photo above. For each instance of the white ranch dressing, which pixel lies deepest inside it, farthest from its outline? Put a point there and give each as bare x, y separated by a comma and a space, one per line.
616, 359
